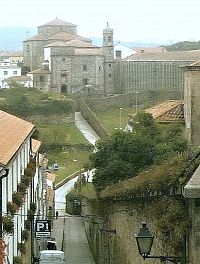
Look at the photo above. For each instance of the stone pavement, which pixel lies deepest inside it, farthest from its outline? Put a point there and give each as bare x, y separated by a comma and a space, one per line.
75, 242
57, 231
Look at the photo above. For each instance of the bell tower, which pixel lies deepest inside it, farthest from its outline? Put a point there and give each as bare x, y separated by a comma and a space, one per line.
108, 50
108, 36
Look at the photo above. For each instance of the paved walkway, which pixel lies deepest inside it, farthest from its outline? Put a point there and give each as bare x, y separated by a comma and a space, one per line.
86, 129
75, 242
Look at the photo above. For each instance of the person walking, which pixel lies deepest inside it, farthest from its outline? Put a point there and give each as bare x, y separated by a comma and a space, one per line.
56, 214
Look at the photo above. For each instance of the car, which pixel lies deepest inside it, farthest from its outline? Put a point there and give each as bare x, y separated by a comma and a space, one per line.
51, 257
55, 166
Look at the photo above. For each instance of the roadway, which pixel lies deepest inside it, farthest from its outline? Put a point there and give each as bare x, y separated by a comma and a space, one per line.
69, 231
92, 137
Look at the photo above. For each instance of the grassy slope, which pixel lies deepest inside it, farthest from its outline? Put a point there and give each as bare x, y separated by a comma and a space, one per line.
111, 119
64, 133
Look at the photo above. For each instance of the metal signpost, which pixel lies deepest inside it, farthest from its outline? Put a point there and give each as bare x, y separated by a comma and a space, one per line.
42, 229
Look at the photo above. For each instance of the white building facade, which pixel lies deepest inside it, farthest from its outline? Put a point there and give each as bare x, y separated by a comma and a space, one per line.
19, 154
8, 70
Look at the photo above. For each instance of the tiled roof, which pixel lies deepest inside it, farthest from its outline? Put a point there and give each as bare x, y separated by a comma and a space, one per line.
12, 66
38, 37
35, 145
13, 54
51, 176
65, 36
72, 43
197, 63
40, 71
22, 78
13, 133
80, 44
58, 22
192, 67
57, 44
169, 111
192, 55
89, 51
192, 188
150, 50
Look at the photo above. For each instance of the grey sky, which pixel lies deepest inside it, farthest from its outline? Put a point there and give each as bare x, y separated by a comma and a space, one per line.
131, 20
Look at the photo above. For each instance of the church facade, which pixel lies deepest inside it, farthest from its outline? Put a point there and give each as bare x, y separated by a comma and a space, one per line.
62, 61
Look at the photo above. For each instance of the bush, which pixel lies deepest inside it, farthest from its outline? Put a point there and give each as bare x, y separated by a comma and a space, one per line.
30, 215
25, 234
17, 198
33, 207
8, 225
17, 260
12, 208
21, 247
27, 224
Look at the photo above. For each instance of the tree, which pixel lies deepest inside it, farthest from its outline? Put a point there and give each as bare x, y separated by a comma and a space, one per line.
121, 157
24, 68
124, 155
17, 100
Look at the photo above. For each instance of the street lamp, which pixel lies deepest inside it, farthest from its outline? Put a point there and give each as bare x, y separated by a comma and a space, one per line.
144, 240
79, 182
136, 101
120, 117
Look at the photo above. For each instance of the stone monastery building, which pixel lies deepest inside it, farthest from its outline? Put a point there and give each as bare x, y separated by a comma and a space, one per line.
62, 61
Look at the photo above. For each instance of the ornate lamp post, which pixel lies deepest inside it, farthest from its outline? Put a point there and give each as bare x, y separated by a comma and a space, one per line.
144, 240
120, 117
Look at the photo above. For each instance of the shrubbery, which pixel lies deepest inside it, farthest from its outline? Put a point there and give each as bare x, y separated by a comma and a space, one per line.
26, 102
124, 155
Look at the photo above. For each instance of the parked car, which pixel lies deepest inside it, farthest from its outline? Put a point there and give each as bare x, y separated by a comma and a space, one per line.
51, 257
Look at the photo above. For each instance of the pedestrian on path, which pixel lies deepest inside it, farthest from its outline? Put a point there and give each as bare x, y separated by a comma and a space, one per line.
56, 214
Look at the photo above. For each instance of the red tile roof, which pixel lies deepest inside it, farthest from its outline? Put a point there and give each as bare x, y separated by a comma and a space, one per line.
169, 111
35, 145
13, 133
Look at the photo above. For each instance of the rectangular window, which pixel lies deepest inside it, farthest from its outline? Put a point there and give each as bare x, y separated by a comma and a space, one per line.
109, 75
118, 54
5, 73
85, 81
14, 72
41, 78
84, 67
63, 74
109, 65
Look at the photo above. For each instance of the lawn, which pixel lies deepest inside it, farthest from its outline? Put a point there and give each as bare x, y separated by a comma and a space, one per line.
68, 161
114, 119
60, 133
66, 133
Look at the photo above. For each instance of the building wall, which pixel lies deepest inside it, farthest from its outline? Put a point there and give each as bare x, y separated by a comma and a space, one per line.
16, 170
33, 53
79, 73
131, 76
8, 71
49, 29
192, 110
110, 227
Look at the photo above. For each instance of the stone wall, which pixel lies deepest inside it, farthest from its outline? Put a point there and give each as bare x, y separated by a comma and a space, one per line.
80, 74
144, 99
110, 228
91, 118
131, 76
33, 53
192, 109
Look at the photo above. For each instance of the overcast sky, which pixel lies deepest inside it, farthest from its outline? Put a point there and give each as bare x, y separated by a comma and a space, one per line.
131, 20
